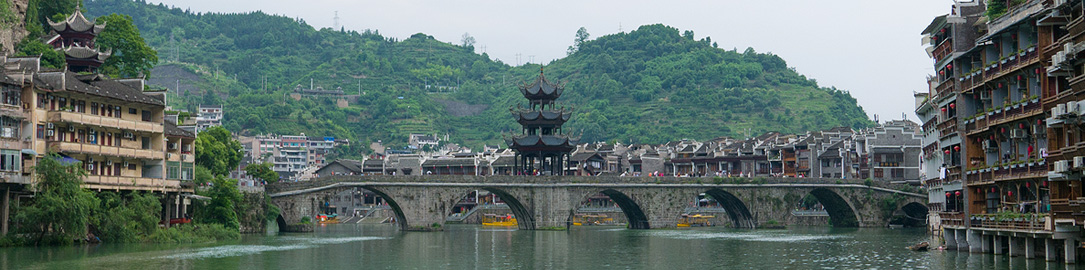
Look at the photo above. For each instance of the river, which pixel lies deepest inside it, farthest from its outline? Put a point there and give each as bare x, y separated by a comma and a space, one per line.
347, 246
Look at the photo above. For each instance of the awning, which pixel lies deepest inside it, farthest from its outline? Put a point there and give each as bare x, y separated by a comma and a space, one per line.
30, 152
66, 159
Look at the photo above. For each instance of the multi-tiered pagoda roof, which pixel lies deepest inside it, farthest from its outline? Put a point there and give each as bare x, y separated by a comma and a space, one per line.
75, 37
541, 139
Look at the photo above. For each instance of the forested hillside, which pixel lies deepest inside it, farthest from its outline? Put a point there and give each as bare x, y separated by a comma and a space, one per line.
650, 85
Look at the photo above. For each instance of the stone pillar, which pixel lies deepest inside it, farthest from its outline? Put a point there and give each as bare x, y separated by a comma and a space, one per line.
166, 215
1030, 247
1050, 250
986, 246
950, 236
5, 212
1017, 246
999, 243
1070, 247
975, 241
962, 240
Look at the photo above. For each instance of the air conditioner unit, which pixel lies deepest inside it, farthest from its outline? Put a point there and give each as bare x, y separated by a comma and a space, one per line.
1038, 129
1062, 166
128, 135
90, 166
49, 133
1071, 108
1079, 162
1018, 134
71, 128
109, 163
125, 164
1059, 111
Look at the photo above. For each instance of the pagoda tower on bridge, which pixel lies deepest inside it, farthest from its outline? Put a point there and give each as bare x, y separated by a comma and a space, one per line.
541, 146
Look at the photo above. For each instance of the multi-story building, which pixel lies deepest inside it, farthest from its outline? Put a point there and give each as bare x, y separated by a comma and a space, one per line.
992, 92
891, 151
208, 116
114, 128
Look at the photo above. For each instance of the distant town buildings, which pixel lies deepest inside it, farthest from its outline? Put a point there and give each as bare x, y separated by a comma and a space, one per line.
208, 116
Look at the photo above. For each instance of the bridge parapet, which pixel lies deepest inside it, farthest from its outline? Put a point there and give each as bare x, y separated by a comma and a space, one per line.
506, 179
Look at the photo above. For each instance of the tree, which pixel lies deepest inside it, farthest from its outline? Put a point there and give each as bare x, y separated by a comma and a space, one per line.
131, 55
50, 9
61, 208
468, 42
262, 171
217, 151
31, 46
126, 219
220, 209
581, 37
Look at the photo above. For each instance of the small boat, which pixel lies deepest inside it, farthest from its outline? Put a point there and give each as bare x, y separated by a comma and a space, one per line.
499, 220
327, 219
696, 220
920, 247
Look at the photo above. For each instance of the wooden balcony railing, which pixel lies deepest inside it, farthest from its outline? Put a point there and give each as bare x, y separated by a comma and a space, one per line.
952, 219
1023, 170
94, 149
1023, 222
103, 121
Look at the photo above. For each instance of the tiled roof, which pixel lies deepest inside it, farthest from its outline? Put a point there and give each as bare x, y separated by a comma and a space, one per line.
174, 131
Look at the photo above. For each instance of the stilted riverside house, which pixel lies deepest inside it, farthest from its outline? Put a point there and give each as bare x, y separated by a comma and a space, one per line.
541, 147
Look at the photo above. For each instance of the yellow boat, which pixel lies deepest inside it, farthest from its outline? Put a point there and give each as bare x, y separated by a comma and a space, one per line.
697, 220
500, 221
589, 219
327, 219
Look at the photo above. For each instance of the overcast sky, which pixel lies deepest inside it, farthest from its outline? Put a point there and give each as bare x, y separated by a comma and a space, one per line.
870, 48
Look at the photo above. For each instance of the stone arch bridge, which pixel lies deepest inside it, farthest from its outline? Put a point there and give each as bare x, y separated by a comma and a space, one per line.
424, 202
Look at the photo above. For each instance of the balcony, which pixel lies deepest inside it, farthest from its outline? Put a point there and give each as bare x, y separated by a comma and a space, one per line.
955, 219
1006, 172
12, 110
94, 149
1011, 221
129, 183
1068, 209
1013, 112
1012, 63
948, 127
943, 49
945, 89
103, 121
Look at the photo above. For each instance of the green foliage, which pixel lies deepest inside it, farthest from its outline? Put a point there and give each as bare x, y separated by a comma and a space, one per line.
31, 46
646, 86
126, 220
61, 208
217, 151
262, 171
40, 10
193, 233
131, 55
270, 210
221, 209
995, 9
305, 220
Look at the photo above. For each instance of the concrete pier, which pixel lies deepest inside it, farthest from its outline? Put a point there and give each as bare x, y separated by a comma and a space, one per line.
1030, 248
1051, 250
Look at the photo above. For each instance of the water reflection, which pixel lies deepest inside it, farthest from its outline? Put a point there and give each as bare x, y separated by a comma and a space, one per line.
473, 247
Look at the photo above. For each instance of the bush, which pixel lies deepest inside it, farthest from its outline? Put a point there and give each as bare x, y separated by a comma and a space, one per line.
194, 233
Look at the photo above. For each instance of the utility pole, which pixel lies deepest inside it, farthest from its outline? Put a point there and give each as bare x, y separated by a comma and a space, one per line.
517, 59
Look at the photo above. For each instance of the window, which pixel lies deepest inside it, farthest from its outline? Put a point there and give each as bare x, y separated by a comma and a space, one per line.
173, 170
94, 108
41, 101
146, 142
11, 96
147, 116
117, 112
133, 111
9, 160
9, 127
41, 132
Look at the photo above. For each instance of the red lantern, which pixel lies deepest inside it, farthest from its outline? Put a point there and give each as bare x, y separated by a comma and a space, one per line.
978, 190
947, 194
1038, 122
942, 72
947, 152
943, 30
992, 190
1022, 125
943, 109
1026, 184
1045, 183
992, 137
953, 105
950, 66
999, 85
956, 148
1003, 130
1013, 36
958, 193
1037, 71
1009, 193
1018, 77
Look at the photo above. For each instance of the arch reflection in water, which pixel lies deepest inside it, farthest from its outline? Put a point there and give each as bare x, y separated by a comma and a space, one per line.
601, 207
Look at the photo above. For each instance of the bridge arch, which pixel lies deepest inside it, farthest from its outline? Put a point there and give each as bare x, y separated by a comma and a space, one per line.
914, 214
736, 209
841, 212
525, 218
635, 216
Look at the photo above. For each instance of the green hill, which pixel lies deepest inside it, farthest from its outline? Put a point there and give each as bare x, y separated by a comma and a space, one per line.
650, 85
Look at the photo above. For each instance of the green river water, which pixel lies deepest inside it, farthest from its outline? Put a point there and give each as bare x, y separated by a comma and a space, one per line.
348, 246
